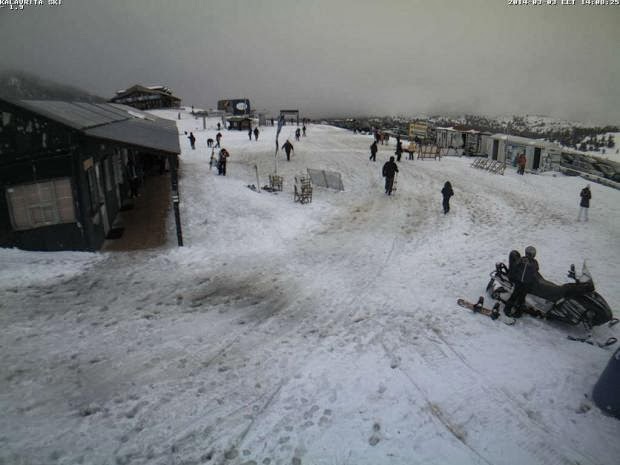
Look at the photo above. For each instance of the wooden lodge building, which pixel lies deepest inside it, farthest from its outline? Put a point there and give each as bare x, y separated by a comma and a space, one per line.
147, 98
65, 169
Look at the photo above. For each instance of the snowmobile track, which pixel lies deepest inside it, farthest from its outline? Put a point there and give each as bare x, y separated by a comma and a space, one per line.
471, 385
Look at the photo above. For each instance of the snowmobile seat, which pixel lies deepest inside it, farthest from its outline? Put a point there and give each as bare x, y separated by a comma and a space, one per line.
550, 291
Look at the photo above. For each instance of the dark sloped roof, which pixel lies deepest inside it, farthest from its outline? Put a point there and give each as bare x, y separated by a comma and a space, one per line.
140, 132
110, 121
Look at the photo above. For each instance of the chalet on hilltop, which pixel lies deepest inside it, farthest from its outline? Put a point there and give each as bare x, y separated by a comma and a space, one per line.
147, 98
65, 169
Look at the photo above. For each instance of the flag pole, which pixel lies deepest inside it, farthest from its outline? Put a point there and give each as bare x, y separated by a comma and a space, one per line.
280, 124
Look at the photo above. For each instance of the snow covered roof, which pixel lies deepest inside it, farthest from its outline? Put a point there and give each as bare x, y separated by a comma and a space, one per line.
523, 140
162, 90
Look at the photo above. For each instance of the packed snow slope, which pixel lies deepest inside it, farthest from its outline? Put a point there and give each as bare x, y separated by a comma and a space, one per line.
325, 333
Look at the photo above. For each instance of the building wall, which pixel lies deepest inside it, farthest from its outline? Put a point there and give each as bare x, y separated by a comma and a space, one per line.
35, 151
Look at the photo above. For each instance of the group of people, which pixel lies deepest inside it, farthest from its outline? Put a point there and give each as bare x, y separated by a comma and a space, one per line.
218, 138
390, 168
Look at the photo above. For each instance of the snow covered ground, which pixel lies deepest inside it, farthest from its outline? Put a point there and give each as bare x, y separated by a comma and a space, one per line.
325, 333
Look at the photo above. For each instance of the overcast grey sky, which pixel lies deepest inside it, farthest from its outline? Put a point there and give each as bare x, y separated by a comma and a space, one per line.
333, 57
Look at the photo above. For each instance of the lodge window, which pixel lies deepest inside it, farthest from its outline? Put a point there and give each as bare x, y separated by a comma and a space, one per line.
41, 204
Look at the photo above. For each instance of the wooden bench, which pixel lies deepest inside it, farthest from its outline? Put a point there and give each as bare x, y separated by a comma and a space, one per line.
302, 190
429, 151
492, 166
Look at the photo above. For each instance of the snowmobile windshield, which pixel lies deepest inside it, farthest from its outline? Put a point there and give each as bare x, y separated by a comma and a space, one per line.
585, 273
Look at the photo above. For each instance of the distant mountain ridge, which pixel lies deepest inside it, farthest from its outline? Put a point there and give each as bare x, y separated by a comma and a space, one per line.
581, 136
22, 85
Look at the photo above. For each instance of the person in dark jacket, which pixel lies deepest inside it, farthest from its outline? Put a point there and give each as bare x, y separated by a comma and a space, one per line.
373, 151
256, 133
523, 272
399, 148
446, 192
221, 165
287, 148
389, 171
192, 140
250, 133
584, 205
218, 138
521, 162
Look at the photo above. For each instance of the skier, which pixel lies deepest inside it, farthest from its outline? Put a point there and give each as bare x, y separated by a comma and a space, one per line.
297, 134
209, 142
303, 130
584, 205
389, 171
192, 140
218, 136
256, 133
287, 148
373, 151
446, 192
523, 273
250, 133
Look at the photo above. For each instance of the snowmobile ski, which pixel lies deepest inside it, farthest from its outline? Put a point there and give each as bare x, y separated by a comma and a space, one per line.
588, 340
479, 307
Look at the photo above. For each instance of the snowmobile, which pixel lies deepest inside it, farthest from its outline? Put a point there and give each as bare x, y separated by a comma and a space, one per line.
571, 303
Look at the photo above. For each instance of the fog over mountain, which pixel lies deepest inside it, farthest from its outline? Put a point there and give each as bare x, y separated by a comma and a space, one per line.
333, 58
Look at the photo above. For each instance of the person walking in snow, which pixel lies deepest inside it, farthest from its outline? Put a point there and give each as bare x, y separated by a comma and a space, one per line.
399, 148
521, 161
287, 148
209, 142
297, 134
584, 204
221, 166
219, 126
218, 137
389, 171
446, 192
303, 130
256, 132
373, 151
250, 133
192, 140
